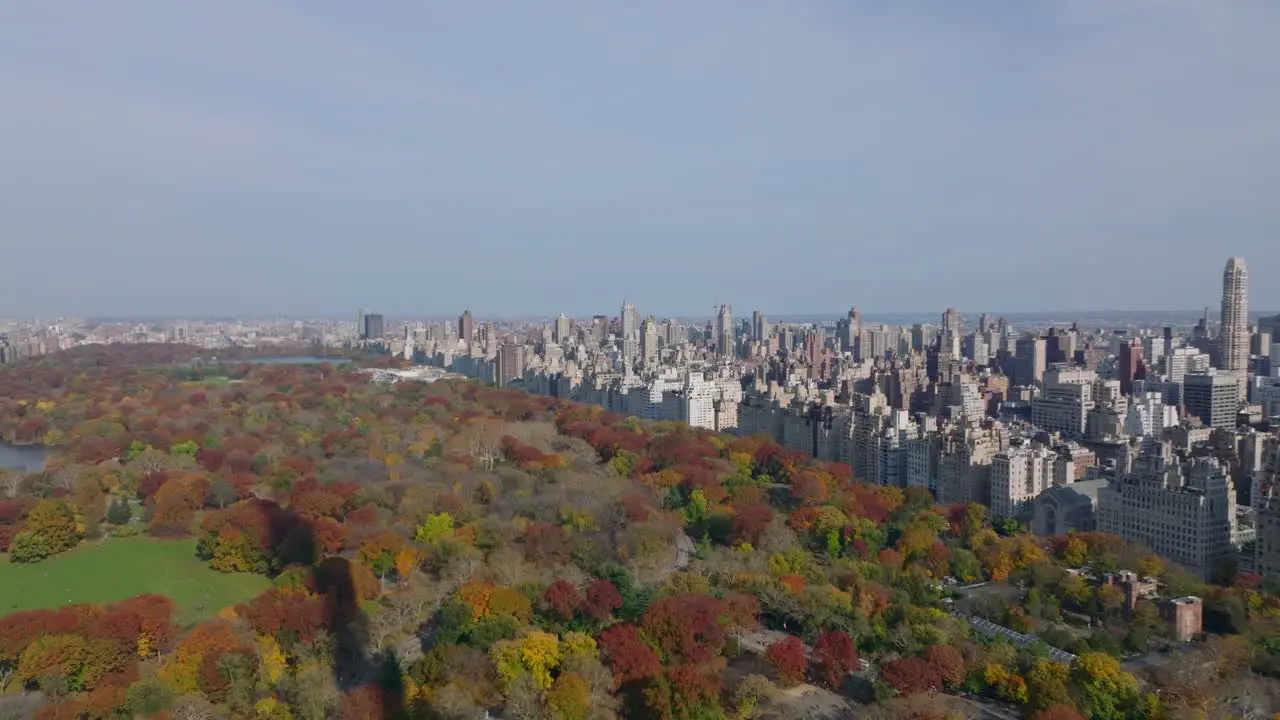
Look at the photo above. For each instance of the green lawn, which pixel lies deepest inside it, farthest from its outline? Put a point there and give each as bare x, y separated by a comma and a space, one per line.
119, 568
213, 381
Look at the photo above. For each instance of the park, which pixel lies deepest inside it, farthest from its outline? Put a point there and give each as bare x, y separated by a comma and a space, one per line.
115, 569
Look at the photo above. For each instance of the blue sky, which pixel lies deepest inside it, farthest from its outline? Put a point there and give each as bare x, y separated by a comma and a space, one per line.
184, 157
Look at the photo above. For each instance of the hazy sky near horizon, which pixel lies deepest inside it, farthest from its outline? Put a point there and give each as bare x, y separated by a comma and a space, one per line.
184, 157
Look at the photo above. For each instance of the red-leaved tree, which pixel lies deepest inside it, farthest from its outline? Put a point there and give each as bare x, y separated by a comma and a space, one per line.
834, 657
788, 657
602, 599
691, 627
628, 656
947, 661
749, 521
911, 675
562, 599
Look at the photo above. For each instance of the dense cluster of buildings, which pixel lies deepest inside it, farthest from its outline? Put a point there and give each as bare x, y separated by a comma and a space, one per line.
20, 340
1163, 435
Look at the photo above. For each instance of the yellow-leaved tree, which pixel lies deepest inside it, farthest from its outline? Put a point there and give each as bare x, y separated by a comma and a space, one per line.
271, 661
536, 654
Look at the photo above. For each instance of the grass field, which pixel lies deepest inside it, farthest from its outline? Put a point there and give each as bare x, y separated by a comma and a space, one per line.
213, 381
119, 568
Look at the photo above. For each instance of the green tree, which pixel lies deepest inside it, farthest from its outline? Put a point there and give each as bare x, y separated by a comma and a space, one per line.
147, 698
27, 547
136, 448
965, 566
434, 528
696, 511
188, 448
119, 513
1006, 526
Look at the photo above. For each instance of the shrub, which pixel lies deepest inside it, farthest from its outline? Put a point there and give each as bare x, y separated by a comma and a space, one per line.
28, 547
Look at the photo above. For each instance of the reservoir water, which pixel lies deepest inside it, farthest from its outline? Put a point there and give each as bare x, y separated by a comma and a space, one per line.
299, 360
30, 458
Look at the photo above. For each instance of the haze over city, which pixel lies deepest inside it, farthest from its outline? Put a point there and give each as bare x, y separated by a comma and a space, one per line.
308, 158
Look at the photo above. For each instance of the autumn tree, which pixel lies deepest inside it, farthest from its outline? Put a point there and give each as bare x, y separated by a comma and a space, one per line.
569, 697
947, 661
1047, 685
684, 691
749, 521
176, 503
52, 523
602, 598
562, 599
789, 658
1103, 690
536, 655
379, 552
688, 627
911, 675
834, 656
291, 615
628, 654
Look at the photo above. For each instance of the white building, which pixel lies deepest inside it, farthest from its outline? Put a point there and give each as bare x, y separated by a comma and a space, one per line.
1018, 476
1183, 511
1148, 416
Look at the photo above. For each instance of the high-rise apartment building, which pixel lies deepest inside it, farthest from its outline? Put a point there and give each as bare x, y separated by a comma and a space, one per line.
373, 328
599, 329
951, 320
488, 340
630, 322
1065, 403
1213, 397
510, 365
1233, 341
1018, 476
1183, 511
649, 352
848, 328
759, 326
629, 318
1127, 367
1029, 360
466, 327
1266, 503
563, 329
724, 332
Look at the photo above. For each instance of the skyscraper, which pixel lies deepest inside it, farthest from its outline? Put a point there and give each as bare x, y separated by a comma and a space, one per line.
1234, 338
1127, 366
1029, 360
373, 328
950, 332
629, 319
563, 329
466, 327
724, 331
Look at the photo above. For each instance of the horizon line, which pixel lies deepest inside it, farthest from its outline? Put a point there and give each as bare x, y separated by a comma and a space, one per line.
819, 315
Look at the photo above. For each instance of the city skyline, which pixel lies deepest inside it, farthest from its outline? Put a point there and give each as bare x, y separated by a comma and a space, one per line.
1153, 317
174, 155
